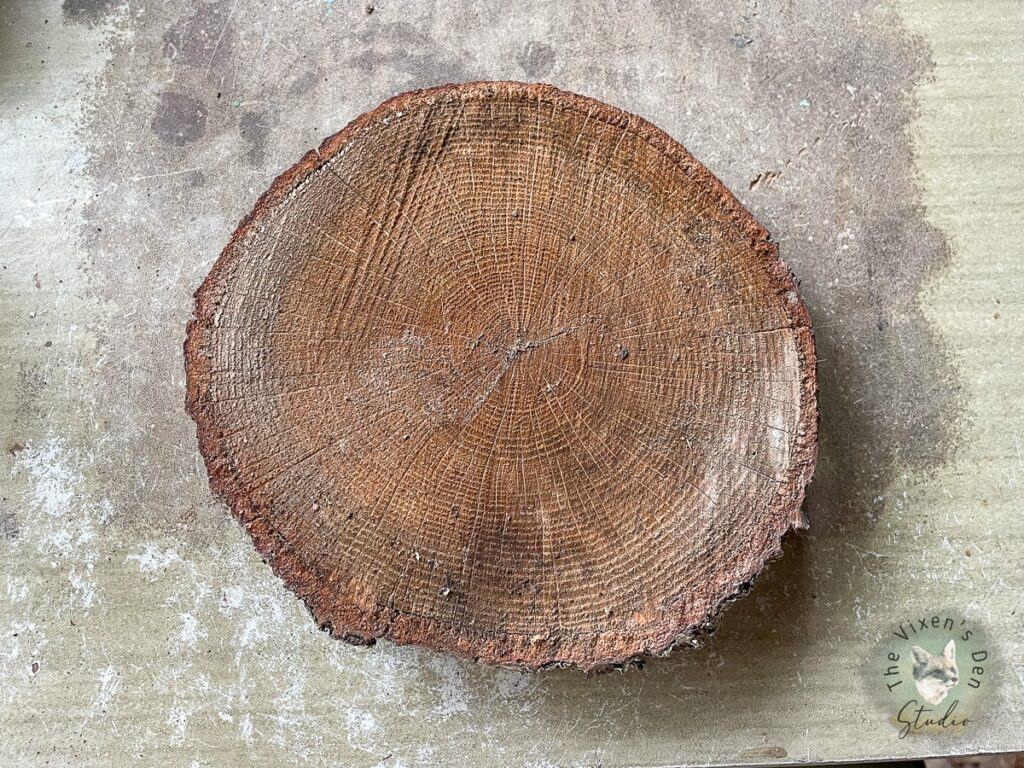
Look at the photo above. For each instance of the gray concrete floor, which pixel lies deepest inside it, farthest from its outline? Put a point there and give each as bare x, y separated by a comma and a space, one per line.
879, 142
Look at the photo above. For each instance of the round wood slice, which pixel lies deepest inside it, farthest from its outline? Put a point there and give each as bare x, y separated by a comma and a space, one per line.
504, 371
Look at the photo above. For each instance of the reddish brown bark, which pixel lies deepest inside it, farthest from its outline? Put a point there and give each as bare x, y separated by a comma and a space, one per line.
504, 371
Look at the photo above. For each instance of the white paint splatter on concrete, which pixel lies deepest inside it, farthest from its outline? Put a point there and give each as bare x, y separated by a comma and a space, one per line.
191, 631
361, 729
452, 693
153, 558
108, 684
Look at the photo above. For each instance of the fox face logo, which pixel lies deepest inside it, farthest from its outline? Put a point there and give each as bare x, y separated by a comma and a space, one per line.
935, 676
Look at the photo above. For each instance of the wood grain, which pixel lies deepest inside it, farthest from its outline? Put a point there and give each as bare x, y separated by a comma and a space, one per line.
504, 371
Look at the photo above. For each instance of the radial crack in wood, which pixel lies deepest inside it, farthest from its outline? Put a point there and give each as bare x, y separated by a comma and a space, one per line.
504, 371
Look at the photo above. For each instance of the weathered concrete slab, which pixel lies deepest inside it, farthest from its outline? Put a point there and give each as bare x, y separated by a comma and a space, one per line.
137, 625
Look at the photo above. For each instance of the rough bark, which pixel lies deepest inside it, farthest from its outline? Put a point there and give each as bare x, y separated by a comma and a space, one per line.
504, 371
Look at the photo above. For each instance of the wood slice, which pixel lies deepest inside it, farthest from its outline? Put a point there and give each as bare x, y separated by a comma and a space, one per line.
504, 371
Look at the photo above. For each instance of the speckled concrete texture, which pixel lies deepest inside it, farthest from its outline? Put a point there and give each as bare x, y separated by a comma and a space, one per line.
880, 145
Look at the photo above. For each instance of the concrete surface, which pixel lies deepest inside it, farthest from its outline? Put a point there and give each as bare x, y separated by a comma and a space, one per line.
880, 143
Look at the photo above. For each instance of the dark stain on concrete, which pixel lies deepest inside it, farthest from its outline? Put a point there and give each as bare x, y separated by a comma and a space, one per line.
9, 527
820, 100
87, 11
536, 59
304, 83
409, 54
254, 127
179, 119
